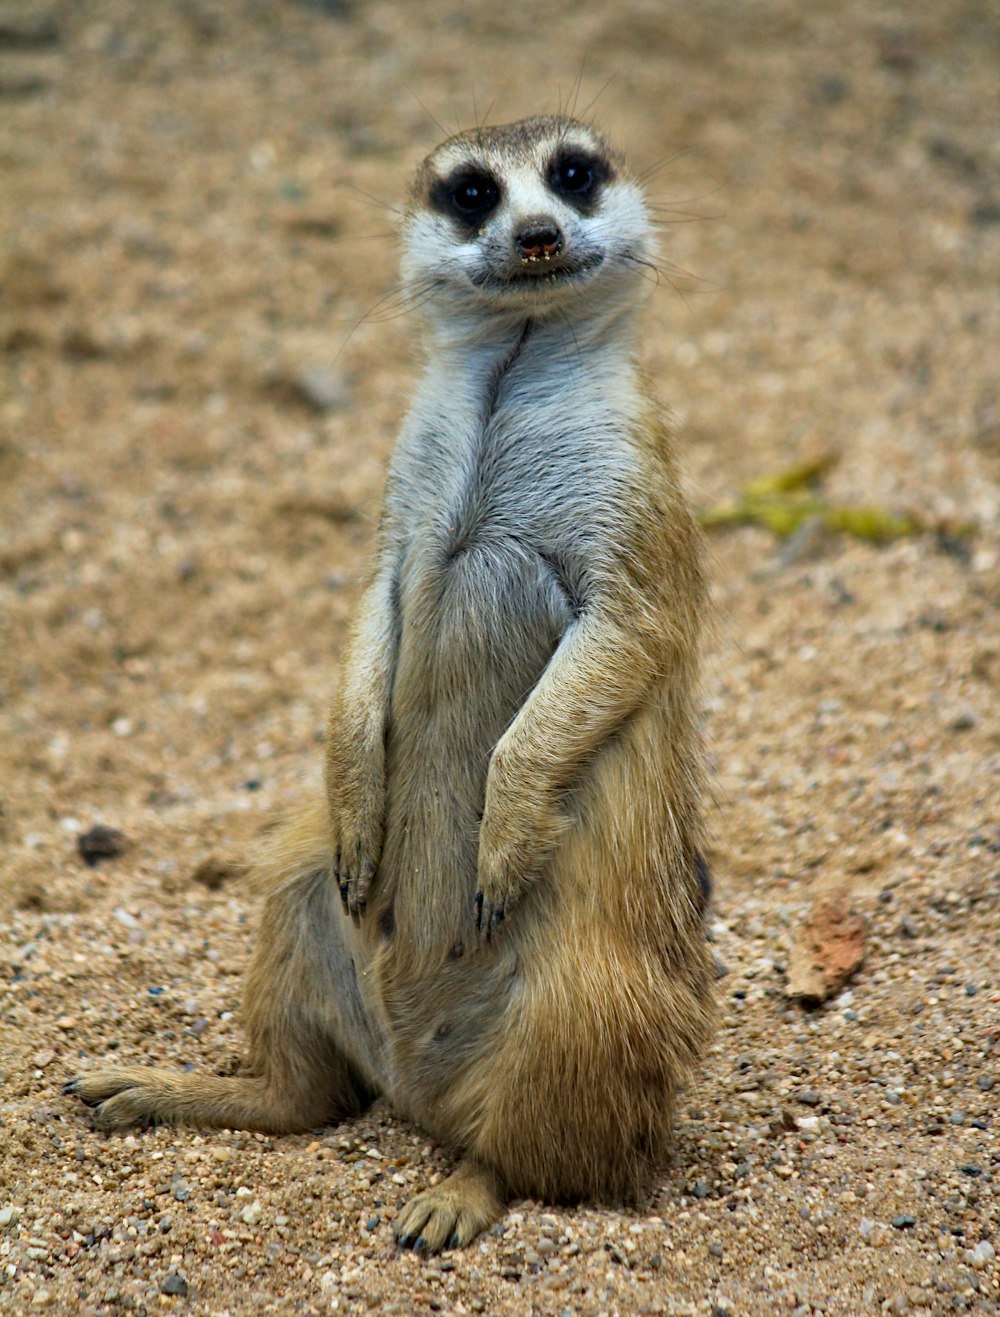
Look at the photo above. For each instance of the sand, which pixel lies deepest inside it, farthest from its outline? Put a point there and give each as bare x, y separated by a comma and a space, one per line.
195, 209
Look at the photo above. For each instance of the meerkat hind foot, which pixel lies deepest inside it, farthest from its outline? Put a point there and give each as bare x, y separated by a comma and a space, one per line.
450, 1214
142, 1095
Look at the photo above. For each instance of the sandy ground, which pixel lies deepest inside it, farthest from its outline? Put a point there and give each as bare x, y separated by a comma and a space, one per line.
184, 229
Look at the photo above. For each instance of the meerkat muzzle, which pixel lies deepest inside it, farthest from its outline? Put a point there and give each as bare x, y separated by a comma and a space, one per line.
538, 241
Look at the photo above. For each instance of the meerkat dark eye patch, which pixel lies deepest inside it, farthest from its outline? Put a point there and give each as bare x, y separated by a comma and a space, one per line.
469, 196
577, 176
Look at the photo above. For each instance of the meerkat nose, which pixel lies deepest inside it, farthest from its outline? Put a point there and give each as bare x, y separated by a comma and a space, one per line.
538, 240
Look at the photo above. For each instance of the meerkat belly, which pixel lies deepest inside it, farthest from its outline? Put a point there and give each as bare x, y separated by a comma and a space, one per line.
479, 625
480, 620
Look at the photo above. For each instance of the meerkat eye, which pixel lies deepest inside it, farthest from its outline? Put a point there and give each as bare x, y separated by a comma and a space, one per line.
574, 176
473, 196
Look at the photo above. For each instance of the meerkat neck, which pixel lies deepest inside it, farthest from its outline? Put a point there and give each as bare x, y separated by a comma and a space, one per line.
458, 333
536, 370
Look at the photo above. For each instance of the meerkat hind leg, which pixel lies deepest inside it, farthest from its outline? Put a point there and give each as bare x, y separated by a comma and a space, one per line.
142, 1095
301, 1014
451, 1214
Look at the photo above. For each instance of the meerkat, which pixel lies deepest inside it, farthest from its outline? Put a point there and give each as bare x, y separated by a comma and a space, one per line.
496, 917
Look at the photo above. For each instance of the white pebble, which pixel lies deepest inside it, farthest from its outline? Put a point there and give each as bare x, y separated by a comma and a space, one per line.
982, 1255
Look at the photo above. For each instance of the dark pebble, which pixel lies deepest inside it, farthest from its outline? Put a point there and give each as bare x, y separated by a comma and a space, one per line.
988, 212
971, 989
701, 1190
26, 31
957, 1117
373, 1223
810, 1098
176, 1285
971, 1170
100, 843
986, 1083
903, 1222
214, 871
831, 90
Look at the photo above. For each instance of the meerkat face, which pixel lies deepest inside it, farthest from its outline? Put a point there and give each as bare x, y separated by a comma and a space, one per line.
523, 218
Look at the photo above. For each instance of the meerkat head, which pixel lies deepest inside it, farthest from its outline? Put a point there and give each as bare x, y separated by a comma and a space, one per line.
529, 218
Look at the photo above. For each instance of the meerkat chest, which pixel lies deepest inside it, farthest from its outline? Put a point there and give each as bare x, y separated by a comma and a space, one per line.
531, 461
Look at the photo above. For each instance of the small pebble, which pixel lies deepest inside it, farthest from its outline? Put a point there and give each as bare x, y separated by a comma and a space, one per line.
903, 1222
981, 1255
176, 1285
322, 389
100, 843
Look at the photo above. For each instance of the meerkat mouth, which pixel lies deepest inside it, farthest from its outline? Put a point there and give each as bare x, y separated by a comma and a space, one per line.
538, 274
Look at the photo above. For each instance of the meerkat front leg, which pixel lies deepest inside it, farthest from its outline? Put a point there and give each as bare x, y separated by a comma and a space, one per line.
597, 676
355, 753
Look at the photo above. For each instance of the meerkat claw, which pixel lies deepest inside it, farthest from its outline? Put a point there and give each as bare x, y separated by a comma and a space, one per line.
489, 917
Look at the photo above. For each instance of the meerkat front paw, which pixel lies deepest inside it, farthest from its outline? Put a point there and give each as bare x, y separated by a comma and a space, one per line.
513, 848
501, 882
357, 849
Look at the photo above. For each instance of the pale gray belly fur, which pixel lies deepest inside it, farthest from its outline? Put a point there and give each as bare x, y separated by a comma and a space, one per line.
480, 620
481, 615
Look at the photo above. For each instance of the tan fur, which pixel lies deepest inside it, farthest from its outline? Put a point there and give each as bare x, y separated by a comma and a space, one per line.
542, 1030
